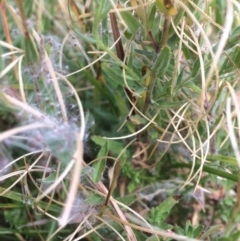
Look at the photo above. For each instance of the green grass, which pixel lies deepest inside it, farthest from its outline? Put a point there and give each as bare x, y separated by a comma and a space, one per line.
119, 122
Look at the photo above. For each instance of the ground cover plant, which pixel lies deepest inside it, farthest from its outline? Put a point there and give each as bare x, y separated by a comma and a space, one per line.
119, 120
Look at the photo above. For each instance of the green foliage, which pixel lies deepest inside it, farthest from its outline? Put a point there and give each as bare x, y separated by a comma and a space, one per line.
14, 217
132, 23
99, 165
162, 61
190, 231
160, 213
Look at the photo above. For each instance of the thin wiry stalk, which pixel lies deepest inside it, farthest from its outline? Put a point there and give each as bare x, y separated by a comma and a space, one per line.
232, 135
22, 176
227, 28
57, 182
10, 66
203, 80
21, 86
78, 158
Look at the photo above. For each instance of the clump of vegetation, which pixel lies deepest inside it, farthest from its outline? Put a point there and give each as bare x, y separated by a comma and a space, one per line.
119, 121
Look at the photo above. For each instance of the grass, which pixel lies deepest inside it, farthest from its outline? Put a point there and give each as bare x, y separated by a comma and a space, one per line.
119, 121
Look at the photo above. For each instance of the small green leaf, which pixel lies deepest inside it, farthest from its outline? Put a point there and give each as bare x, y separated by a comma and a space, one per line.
21, 198
197, 231
50, 179
28, 6
235, 236
195, 69
94, 236
114, 146
161, 212
189, 230
233, 40
131, 22
152, 238
94, 199
99, 166
236, 56
180, 230
85, 37
162, 61
194, 87
105, 32
151, 16
137, 119
127, 200
30, 50
145, 53
220, 7
114, 77
99, 140
155, 27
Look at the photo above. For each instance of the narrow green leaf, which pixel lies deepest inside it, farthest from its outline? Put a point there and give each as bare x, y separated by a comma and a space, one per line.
128, 199
1, 60
12, 205
225, 159
195, 69
49, 179
179, 230
162, 61
114, 77
99, 140
94, 199
177, 19
30, 51
105, 31
99, 166
235, 236
151, 16
114, 146
152, 238
22, 198
189, 231
220, 7
145, 53
193, 87
197, 231
131, 22
85, 37
155, 27
160, 213
233, 40
217, 172
28, 5
236, 56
